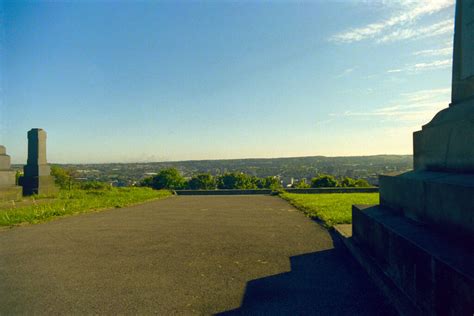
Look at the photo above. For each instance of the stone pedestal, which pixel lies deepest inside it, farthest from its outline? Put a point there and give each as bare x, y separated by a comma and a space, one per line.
422, 233
8, 188
37, 178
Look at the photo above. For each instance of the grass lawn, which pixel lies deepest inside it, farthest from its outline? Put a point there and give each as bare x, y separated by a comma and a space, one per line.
330, 208
68, 202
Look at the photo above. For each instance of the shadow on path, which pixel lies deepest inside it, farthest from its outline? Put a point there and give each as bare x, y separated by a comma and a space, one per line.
328, 282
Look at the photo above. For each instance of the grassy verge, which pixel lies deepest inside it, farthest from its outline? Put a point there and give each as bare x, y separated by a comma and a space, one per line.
76, 201
331, 209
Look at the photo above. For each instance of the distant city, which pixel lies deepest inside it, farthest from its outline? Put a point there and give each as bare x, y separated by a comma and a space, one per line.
289, 170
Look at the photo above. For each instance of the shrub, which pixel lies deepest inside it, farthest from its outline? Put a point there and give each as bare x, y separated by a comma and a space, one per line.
362, 183
324, 181
203, 181
236, 181
166, 179
94, 185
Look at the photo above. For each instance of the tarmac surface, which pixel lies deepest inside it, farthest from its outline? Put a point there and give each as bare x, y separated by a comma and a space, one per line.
184, 255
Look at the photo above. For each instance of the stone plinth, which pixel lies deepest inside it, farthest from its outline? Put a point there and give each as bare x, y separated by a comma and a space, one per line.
436, 273
446, 142
37, 178
422, 233
443, 200
8, 188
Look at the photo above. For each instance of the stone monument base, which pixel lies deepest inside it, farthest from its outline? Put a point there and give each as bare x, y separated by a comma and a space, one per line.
39, 185
12, 193
435, 272
444, 200
445, 143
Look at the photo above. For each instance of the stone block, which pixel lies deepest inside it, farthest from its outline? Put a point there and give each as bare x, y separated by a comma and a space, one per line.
12, 193
3, 150
7, 178
443, 200
446, 142
39, 185
37, 170
435, 272
5, 163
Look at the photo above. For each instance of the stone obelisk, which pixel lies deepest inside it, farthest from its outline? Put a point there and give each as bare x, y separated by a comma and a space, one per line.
37, 178
421, 236
8, 188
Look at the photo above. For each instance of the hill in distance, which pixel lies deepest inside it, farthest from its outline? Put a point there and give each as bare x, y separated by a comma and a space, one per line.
367, 167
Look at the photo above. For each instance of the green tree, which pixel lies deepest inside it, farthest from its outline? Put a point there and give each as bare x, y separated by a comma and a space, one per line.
236, 181
362, 183
64, 178
302, 184
324, 181
272, 183
203, 181
166, 179
347, 183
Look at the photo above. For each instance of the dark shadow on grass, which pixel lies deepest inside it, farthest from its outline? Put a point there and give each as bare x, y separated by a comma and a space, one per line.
328, 282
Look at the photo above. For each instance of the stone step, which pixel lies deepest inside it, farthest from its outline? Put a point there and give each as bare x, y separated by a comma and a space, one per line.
435, 271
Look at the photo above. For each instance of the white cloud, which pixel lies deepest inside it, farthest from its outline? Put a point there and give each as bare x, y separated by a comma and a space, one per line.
420, 67
415, 108
445, 51
346, 72
401, 25
440, 28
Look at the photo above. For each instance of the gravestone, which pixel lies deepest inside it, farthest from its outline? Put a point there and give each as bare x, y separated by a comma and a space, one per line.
422, 233
8, 188
37, 173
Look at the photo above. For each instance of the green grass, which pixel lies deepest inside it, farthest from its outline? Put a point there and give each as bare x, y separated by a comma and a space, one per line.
330, 208
69, 202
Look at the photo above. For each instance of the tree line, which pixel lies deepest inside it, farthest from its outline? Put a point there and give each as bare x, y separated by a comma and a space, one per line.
172, 179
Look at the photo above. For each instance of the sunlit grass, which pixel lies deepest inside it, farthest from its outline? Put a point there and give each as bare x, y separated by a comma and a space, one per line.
69, 202
332, 208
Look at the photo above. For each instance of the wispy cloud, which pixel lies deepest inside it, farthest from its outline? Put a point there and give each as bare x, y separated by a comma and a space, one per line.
401, 25
420, 67
346, 72
444, 51
414, 108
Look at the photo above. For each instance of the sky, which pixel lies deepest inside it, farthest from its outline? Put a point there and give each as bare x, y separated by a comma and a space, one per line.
142, 81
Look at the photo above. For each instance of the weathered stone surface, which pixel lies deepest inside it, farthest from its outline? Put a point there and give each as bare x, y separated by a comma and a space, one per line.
10, 193
444, 200
445, 143
37, 170
7, 178
463, 57
5, 163
436, 273
39, 185
37, 178
3, 150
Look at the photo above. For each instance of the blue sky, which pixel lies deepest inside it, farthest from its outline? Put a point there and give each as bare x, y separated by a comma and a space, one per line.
137, 81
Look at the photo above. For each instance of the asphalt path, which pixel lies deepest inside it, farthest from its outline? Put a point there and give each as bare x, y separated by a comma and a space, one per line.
184, 255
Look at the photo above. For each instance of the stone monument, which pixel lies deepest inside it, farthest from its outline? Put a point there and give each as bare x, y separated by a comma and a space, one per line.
37, 178
8, 188
422, 233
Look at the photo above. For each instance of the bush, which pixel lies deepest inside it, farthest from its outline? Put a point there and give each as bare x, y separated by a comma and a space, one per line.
236, 181
302, 184
94, 185
203, 181
347, 183
362, 183
64, 178
324, 181
166, 179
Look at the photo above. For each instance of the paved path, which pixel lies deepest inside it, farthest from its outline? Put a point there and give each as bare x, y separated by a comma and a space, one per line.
183, 255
